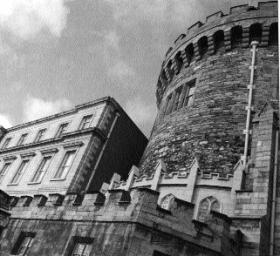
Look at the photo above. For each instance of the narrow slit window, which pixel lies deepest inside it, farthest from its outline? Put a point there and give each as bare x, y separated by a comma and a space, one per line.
189, 95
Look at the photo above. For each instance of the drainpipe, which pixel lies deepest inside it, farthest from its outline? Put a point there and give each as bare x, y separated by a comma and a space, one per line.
273, 206
249, 107
276, 155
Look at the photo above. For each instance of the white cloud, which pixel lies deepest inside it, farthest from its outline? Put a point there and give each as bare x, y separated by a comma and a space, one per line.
141, 113
5, 121
121, 70
25, 18
112, 39
35, 108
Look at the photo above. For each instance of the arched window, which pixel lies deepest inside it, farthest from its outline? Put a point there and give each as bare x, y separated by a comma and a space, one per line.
236, 36
189, 53
256, 32
170, 70
206, 205
179, 61
219, 40
167, 201
202, 46
273, 34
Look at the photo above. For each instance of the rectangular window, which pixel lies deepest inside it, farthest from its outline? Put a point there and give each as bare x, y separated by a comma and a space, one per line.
42, 169
4, 170
82, 249
20, 170
23, 244
65, 165
189, 94
167, 106
6, 143
22, 139
40, 135
61, 130
85, 123
177, 97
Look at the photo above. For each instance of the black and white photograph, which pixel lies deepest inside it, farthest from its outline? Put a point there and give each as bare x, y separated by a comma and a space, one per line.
139, 128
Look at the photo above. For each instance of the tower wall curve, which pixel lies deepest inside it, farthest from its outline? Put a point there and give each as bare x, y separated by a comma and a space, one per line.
202, 89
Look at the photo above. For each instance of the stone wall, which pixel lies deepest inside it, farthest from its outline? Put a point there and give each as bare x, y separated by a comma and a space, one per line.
122, 223
211, 128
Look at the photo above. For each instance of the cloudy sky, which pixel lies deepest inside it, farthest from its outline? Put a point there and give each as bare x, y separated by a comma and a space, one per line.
55, 54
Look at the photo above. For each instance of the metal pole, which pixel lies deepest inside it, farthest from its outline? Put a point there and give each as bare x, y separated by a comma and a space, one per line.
249, 106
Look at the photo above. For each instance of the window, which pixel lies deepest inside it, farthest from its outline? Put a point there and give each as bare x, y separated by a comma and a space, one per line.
236, 36
22, 139
255, 32
6, 143
167, 201
23, 243
206, 205
20, 170
202, 46
85, 123
218, 38
42, 169
189, 94
65, 165
4, 170
182, 96
61, 130
40, 135
273, 34
81, 249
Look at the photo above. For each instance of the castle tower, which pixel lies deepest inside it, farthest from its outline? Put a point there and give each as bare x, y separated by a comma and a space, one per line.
202, 90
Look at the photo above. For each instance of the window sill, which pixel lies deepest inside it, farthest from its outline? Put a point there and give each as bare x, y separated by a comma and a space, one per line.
34, 183
57, 179
12, 184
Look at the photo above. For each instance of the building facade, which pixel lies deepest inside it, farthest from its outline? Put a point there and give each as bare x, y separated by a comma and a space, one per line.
207, 182
73, 151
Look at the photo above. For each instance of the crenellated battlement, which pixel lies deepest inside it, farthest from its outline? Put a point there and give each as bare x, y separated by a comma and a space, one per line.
161, 179
134, 206
219, 33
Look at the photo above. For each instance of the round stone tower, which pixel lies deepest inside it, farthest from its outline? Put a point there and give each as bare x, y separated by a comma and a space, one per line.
202, 91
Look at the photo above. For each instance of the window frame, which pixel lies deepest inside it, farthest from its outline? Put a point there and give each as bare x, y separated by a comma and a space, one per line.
76, 240
40, 135
210, 200
19, 242
62, 162
4, 171
20, 170
86, 120
61, 129
39, 169
22, 139
6, 143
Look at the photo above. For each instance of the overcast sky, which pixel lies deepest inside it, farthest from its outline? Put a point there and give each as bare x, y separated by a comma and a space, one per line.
55, 54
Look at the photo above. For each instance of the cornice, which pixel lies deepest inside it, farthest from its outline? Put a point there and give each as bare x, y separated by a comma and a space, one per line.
91, 130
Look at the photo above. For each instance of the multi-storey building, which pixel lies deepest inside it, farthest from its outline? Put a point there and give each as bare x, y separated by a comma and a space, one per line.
73, 151
208, 181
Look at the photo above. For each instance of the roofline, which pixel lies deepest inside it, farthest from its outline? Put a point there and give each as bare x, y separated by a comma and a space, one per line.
67, 112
